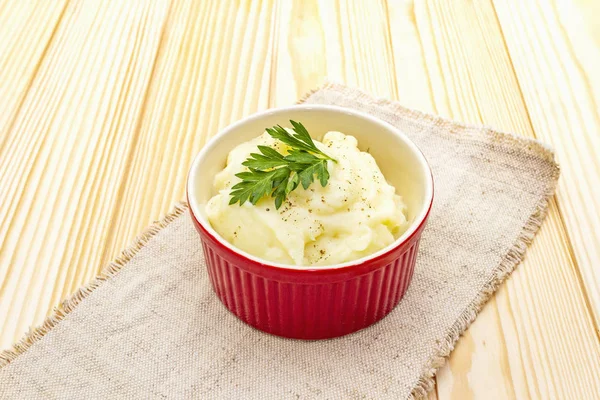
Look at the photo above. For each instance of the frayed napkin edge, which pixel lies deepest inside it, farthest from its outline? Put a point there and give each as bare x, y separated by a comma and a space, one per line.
61, 311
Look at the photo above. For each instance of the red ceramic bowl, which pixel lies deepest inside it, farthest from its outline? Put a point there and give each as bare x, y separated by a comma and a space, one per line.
307, 302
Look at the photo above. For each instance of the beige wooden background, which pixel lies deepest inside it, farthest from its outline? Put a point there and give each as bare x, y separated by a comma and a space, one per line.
104, 103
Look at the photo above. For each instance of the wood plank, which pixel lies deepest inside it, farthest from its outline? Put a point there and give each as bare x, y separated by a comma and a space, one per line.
555, 46
518, 347
26, 28
61, 161
199, 87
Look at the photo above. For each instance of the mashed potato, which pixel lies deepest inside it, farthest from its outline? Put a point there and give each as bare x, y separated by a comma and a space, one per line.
356, 214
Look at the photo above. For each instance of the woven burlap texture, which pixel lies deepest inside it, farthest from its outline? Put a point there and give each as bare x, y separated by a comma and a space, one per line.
151, 327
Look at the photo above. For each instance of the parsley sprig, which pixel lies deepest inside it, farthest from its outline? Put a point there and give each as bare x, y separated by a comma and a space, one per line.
274, 174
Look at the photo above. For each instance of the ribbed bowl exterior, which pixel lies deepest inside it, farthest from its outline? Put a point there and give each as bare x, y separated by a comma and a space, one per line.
309, 303
314, 302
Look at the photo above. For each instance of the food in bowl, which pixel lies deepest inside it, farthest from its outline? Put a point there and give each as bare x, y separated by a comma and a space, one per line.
351, 212
314, 301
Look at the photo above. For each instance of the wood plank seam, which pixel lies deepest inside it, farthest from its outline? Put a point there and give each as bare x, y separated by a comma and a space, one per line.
437, 55
389, 45
420, 41
36, 68
273, 61
129, 156
580, 280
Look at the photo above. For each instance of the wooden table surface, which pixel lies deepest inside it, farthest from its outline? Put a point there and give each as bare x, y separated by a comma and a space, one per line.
103, 104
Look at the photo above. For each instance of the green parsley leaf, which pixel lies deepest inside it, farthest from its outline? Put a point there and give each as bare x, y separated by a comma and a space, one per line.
275, 175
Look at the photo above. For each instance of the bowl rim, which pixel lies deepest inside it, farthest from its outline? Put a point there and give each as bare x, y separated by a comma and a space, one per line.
415, 226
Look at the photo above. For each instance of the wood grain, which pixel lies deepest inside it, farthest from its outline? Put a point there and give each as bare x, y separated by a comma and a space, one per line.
557, 58
199, 86
466, 48
107, 102
26, 28
61, 160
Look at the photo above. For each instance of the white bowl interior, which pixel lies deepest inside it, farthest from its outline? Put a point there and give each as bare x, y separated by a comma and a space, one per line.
400, 161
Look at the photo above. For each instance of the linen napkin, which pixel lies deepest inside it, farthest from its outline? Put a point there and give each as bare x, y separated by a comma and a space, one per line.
151, 327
